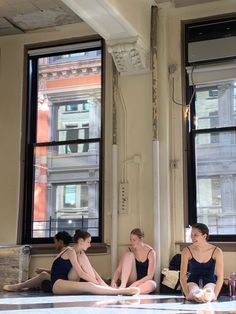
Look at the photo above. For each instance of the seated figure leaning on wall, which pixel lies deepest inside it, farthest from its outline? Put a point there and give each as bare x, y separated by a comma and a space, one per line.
69, 268
43, 279
137, 265
199, 261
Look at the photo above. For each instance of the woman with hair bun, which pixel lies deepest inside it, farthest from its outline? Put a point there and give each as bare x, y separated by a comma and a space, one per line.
202, 270
137, 266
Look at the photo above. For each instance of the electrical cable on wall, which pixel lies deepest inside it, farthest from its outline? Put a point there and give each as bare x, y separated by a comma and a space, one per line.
172, 70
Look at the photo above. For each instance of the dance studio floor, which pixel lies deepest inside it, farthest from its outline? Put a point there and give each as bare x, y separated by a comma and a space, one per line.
37, 302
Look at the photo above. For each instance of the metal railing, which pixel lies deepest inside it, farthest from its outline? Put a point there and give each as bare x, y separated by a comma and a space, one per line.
48, 228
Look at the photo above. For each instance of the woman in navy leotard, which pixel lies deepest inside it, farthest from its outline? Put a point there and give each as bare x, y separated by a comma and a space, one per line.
201, 272
137, 266
42, 281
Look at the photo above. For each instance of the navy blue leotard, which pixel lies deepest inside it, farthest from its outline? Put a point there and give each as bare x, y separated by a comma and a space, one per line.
201, 273
142, 267
60, 269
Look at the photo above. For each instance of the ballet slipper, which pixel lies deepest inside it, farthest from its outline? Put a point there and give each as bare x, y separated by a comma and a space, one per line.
198, 296
208, 294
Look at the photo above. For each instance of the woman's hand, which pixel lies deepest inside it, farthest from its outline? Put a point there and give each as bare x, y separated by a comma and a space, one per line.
113, 284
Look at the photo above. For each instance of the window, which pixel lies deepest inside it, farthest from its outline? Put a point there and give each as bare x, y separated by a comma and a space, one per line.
63, 177
211, 135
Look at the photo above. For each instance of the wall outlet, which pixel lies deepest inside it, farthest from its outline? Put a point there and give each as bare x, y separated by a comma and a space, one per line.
123, 198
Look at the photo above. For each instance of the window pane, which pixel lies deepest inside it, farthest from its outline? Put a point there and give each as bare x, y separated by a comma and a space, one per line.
215, 155
66, 190
69, 96
216, 106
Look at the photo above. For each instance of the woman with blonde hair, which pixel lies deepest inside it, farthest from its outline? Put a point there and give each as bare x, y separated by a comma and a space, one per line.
137, 266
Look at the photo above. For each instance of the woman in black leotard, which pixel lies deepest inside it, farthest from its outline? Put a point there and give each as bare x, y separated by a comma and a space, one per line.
201, 272
137, 266
61, 241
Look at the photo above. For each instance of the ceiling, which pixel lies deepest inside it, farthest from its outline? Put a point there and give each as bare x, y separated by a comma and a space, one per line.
21, 16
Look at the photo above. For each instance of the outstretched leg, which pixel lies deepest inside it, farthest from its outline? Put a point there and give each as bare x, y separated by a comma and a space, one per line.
75, 287
34, 282
128, 269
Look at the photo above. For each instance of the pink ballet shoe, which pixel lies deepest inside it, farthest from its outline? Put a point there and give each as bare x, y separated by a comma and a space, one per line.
208, 294
198, 296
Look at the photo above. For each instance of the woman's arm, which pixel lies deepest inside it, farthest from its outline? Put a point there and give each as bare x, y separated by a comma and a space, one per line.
99, 279
219, 271
116, 276
82, 274
183, 271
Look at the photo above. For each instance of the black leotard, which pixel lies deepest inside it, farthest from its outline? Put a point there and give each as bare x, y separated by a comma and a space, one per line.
201, 273
60, 269
142, 267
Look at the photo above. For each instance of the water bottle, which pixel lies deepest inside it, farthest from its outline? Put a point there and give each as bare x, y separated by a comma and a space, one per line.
188, 230
232, 285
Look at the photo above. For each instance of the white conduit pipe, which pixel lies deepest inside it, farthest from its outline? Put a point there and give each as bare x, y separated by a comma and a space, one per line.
156, 207
114, 218
156, 146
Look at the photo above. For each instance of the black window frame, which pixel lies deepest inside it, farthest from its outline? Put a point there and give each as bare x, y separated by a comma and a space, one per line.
29, 129
191, 131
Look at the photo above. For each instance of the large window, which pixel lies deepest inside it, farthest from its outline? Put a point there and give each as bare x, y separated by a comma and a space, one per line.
63, 185
212, 133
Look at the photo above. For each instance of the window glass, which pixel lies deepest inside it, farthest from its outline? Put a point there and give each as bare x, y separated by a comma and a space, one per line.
64, 140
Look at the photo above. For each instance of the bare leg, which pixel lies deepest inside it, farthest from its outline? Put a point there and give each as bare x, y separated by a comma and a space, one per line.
128, 269
85, 264
147, 287
34, 282
74, 287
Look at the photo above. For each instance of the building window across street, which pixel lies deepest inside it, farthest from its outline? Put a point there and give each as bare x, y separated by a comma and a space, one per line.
211, 128
63, 146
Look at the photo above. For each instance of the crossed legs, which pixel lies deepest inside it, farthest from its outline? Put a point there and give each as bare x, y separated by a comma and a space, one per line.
129, 275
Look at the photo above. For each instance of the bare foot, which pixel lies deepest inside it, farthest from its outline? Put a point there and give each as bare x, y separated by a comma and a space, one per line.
12, 288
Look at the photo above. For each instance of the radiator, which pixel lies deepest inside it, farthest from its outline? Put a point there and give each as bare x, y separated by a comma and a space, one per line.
14, 264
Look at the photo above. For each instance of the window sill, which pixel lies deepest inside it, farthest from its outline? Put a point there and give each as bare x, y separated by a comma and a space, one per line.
95, 249
224, 246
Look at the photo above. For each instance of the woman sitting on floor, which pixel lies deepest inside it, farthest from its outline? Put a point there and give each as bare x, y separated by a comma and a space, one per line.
137, 266
200, 260
42, 280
